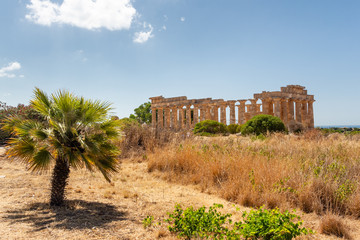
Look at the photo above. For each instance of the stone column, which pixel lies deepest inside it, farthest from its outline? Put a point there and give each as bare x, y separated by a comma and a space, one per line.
174, 118
271, 106
232, 111
188, 116
202, 113
298, 110
284, 111
241, 112
304, 114
277, 111
265, 106
207, 111
167, 118
160, 117
311, 113
253, 107
182, 118
196, 115
223, 112
153, 117
291, 110
216, 112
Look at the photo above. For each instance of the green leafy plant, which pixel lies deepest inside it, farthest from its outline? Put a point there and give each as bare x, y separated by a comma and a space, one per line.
148, 221
199, 223
258, 224
233, 128
263, 124
209, 127
270, 224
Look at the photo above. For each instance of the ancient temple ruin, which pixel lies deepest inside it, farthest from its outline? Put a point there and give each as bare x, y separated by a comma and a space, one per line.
292, 105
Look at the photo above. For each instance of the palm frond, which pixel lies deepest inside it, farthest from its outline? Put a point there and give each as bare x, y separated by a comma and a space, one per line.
24, 148
41, 102
41, 160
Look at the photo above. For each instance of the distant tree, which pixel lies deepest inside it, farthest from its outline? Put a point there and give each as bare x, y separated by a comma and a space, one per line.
143, 113
76, 133
21, 110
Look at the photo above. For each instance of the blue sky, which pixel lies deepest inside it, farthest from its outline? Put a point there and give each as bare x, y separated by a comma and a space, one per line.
126, 51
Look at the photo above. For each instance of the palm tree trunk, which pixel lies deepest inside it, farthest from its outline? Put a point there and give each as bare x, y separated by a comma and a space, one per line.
59, 180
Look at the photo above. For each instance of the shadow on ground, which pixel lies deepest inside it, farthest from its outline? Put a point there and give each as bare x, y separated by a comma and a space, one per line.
77, 214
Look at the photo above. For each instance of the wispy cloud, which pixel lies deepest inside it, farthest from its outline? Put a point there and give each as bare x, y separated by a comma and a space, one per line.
144, 36
9, 69
182, 19
88, 14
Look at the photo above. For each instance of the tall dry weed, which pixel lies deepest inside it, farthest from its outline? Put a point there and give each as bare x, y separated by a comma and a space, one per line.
314, 172
139, 139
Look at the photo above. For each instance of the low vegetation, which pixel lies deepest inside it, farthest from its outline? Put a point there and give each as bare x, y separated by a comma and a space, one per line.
209, 127
191, 223
312, 172
233, 128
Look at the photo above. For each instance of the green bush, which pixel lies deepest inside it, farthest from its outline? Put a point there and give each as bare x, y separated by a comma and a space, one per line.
210, 126
258, 224
263, 124
192, 223
233, 128
270, 224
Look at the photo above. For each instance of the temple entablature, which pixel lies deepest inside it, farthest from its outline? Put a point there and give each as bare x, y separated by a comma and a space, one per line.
291, 104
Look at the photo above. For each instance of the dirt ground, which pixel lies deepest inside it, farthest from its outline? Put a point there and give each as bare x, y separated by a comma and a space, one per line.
100, 210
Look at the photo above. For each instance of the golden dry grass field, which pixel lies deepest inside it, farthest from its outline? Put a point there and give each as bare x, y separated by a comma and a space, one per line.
99, 210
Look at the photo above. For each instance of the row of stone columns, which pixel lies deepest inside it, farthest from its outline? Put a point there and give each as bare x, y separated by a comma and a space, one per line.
284, 109
180, 117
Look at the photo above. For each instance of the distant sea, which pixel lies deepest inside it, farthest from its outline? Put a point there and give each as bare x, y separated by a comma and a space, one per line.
339, 126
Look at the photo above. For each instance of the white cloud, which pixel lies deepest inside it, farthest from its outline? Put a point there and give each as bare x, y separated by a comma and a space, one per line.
182, 19
8, 70
141, 37
163, 28
88, 14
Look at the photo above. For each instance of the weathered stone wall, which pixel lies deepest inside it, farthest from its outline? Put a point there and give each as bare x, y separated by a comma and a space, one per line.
291, 104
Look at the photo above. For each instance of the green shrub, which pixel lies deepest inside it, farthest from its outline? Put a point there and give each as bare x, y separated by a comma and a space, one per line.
233, 128
270, 224
192, 223
263, 124
258, 224
210, 126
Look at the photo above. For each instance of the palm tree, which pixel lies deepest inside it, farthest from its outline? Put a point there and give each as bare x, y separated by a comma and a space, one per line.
75, 132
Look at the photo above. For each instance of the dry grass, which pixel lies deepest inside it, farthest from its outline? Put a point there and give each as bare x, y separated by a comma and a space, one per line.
139, 140
311, 171
98, 210
95, 209
334, 225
